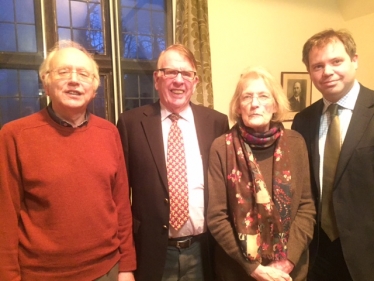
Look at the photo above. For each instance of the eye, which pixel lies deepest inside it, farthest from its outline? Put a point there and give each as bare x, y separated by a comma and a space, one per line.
338, 61
63, 71
84, 74
171, 72
188, 74
317, 67
263, 97
247, 97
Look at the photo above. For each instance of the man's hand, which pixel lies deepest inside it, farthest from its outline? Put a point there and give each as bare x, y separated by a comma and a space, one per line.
267, 273
284, 265
126, 276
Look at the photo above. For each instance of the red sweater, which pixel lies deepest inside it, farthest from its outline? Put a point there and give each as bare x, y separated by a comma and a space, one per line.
64, 201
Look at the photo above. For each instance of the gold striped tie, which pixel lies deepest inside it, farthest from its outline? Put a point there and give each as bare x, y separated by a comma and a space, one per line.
331, 157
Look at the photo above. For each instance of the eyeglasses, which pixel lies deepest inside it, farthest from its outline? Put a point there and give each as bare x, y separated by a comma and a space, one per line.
66, 73
172, 73
262, 98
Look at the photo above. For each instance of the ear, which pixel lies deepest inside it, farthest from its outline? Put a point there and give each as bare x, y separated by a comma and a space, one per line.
275, 107
156, 77
46, 88
195, 82
355, 61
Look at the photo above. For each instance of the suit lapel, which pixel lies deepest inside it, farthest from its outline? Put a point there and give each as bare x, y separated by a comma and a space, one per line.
362, 114
201, 125
153, 132
314, 135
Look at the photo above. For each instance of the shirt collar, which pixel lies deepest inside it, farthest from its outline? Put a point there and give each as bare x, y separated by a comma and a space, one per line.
186, 114
64, 123
348, 101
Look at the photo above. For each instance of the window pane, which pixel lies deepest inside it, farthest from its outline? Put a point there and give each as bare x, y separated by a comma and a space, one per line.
146, 86
8, 83
98, 105
19, 94
7, 11
129, 17
159, 46
144, 27
145, 47
26, 38
144, 24
131, 85
9, 110
25, 11
129, 3
139, 90
63, 15
17, 33
28, 83
7, 37
129, 46
79, 14
158, 23
144, 34
158, 5
64, 34
85, 26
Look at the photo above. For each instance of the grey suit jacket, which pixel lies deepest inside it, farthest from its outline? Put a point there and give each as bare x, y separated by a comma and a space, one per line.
141, 134
353, 194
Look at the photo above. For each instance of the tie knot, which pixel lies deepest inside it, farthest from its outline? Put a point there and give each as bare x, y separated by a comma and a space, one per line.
333, 109
174, 117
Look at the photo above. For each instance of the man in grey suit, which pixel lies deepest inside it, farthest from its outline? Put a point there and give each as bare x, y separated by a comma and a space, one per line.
166, 252
342, 249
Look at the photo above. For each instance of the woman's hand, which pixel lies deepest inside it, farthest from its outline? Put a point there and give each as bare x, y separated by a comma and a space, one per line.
268, 273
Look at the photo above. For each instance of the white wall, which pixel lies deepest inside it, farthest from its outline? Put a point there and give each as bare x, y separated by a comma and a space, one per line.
362, 31
271, 33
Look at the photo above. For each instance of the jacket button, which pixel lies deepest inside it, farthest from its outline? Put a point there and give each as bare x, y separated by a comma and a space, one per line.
165, 226
166, 201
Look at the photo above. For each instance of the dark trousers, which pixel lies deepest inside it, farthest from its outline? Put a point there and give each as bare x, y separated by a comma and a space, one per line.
190, 264
329, 263
112, 275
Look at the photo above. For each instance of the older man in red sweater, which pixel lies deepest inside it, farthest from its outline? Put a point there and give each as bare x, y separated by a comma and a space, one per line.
65, 210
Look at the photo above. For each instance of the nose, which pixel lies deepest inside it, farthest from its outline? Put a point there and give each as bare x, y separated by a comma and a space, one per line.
179, 78
74, 76
255, 101
328, 70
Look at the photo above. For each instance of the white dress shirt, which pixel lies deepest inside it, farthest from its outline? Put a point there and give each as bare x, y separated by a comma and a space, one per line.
195, 175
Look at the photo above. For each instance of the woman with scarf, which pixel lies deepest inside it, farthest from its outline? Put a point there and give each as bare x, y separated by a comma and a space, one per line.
260, 211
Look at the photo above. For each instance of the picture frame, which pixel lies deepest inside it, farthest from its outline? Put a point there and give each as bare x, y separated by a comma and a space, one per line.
298, 88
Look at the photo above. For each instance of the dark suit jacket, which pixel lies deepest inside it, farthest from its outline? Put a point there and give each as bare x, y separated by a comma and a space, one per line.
141, 134
353, 194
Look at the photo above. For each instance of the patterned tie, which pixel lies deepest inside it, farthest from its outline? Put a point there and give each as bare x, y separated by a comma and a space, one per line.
177, 175
331, 157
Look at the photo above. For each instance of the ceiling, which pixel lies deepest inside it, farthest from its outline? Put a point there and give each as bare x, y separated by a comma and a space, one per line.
354, 9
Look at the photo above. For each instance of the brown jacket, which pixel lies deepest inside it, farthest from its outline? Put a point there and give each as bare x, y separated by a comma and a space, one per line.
229, 261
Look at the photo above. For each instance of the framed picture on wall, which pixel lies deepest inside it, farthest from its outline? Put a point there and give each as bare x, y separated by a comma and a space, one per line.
298, 88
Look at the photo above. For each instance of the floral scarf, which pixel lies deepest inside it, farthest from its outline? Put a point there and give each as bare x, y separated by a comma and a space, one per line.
262, 224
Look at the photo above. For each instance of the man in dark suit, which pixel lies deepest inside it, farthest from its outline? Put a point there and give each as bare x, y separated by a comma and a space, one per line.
297, 101
166, 252
342, 249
